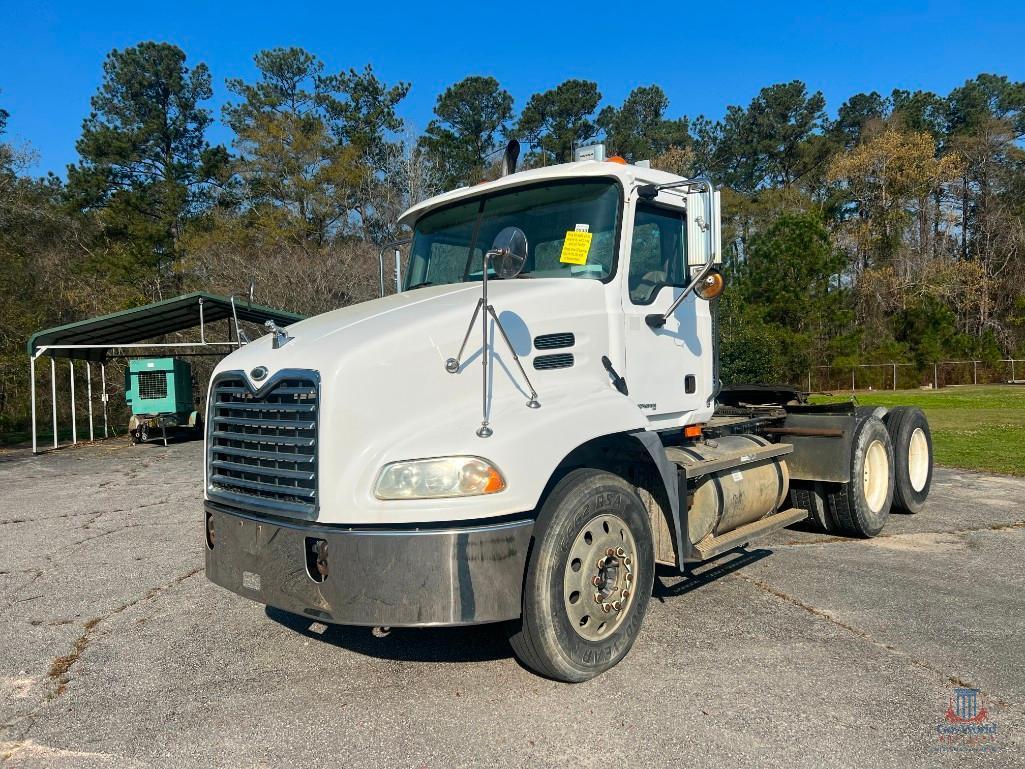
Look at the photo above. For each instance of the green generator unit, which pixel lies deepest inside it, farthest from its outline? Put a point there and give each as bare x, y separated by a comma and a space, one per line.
159, 393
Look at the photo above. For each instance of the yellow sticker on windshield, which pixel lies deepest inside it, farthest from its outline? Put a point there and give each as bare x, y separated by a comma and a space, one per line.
575, 247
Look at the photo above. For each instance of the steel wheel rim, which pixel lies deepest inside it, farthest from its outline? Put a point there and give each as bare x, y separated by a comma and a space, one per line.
918, 459
876, 476
600, 572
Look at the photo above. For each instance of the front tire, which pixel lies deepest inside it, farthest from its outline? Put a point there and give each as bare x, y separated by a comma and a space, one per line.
589, 578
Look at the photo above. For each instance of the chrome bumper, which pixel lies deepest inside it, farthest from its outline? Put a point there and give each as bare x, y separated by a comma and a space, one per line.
450, 576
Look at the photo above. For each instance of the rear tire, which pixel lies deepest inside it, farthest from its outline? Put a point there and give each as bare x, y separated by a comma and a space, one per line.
861, 506
813, 499
593, 526
912, 451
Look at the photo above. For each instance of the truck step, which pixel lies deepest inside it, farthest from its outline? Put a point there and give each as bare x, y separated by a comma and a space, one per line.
712, 546
747, 456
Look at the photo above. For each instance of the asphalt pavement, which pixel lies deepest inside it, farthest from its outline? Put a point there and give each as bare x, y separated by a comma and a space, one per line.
805, 651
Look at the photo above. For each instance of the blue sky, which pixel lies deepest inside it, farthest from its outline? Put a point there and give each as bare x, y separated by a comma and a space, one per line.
704, 55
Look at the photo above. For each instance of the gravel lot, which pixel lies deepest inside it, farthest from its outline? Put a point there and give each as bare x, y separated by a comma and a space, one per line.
809, 651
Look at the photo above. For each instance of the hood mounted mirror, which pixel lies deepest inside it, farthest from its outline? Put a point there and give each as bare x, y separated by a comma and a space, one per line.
508, 253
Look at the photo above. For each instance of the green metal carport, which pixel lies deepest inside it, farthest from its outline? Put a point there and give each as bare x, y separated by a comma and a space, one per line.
92, 340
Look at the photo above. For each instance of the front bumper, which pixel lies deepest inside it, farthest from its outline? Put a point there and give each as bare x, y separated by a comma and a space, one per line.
458, 575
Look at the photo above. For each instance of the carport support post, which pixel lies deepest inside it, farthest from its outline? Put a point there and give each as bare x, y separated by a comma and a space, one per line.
975, 372
894, 376
32, 388
103, 395
853, 369
53, 397
935, 379
89, 395
74, 417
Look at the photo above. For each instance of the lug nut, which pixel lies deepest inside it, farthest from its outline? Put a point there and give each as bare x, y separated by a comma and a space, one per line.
596, 581
617, 605
626, 561
601, 563
597, 599
620, 552
629, 577
606, 607
610, 552
626, 594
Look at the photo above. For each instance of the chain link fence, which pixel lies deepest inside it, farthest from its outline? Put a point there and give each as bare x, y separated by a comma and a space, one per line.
905, 376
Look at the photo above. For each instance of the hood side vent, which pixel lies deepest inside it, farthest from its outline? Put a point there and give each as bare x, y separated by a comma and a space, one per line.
554, 341
560, 360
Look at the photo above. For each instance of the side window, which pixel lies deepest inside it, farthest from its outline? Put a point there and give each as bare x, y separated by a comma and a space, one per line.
657, 253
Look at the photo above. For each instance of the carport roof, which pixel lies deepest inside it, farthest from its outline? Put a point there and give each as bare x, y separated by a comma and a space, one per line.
140, 324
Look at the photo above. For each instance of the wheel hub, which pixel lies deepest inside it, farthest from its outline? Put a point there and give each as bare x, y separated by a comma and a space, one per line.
876, 476
599, 576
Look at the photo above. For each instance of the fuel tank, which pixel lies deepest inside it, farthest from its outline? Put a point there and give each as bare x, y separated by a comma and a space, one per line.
729, 499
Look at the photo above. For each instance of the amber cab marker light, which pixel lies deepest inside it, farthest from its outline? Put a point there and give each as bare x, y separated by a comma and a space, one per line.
618, 159
495, 481
692, 431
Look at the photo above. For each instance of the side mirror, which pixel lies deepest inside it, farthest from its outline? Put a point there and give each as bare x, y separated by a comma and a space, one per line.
707, 284
711, 285
508, 252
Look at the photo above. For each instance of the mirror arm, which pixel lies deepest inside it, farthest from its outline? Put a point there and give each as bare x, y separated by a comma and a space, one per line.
658, 319
650, 191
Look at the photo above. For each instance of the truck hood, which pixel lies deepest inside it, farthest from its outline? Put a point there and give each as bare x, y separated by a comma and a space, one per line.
386, 393
338, 321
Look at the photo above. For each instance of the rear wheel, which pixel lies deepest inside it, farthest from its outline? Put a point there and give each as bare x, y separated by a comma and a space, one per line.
912, 451
861, 506
812, 497
589, 578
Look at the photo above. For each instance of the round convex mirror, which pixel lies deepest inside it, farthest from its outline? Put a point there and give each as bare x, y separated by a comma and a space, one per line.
508, 252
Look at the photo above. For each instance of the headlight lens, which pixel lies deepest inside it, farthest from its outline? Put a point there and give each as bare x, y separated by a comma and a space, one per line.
440, 477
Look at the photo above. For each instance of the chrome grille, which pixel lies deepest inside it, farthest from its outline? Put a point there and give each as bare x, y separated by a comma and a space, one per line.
262, 447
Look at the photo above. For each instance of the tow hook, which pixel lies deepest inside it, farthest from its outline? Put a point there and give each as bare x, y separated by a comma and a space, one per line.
317, 559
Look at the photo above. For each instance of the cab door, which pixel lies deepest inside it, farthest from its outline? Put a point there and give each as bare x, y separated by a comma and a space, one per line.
668, 369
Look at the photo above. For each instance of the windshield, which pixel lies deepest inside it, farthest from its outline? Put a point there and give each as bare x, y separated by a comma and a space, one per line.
570, 229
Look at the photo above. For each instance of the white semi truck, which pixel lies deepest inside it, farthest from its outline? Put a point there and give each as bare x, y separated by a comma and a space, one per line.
527, 426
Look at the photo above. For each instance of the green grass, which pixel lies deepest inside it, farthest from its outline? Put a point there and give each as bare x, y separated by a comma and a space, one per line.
977, 428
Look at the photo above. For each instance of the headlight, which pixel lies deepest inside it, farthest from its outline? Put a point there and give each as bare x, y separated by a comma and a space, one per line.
440, 477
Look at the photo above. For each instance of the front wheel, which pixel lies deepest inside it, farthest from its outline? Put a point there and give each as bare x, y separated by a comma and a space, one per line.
589, 578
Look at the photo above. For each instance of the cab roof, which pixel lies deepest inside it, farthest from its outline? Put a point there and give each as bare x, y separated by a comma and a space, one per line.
627, 175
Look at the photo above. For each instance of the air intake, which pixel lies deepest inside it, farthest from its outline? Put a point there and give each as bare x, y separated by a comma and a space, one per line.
554, 341
561, 360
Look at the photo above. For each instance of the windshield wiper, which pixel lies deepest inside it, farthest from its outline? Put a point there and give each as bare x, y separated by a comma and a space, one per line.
421, 284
